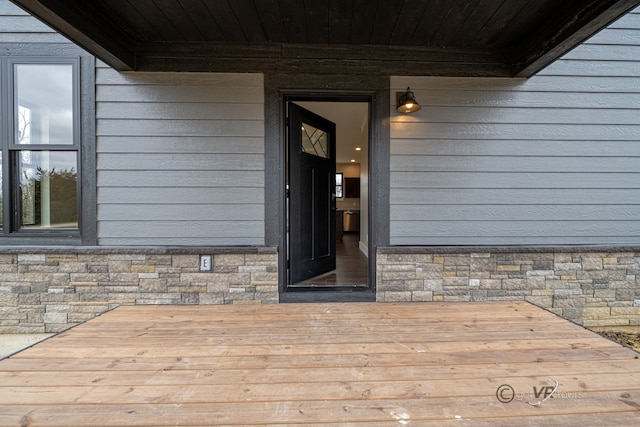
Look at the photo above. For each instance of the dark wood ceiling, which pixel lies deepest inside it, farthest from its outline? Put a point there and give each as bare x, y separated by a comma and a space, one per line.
406, 37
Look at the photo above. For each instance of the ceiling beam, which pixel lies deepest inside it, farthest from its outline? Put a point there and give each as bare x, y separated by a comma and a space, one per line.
322, 59
92, 32
565, 31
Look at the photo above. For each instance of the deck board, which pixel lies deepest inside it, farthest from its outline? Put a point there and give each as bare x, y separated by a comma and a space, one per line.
360, 364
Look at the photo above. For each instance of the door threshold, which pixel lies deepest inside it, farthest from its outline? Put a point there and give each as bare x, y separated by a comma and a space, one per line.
324, 288
327, 295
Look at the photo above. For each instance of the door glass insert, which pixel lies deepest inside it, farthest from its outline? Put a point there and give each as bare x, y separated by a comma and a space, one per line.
314, 141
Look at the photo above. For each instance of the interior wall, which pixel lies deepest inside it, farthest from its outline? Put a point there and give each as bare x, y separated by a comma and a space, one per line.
364, 193
349, 170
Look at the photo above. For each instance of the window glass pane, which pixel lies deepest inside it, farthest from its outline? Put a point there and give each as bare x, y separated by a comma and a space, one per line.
314, 141
48, 189
44, 110
339, 185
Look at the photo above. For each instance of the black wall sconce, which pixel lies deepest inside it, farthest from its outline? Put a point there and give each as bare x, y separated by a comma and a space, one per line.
406, 102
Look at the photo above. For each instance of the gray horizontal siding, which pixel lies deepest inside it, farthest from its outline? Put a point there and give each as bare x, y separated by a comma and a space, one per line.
516, 180
179, 128
181, 178
472, 88
511, 131
507, 196
178, 110
214, 198
535, 229
180, 158
507, 212
16, 26
524, 96
542, 116
487, 163
165, 212
526, 147
554, 159
166, 144
197, 232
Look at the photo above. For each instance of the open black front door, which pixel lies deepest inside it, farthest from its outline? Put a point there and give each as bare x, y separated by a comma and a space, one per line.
312, 208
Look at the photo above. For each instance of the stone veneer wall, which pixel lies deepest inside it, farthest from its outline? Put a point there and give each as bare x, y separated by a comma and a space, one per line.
50, 290
592, 287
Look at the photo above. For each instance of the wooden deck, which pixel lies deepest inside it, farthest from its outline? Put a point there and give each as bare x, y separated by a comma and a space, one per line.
353, 364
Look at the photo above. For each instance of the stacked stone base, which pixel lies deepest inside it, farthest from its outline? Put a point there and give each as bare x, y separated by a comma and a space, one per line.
50, 290
592, 288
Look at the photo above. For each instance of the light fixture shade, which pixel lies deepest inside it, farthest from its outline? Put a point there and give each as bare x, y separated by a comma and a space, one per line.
406, 102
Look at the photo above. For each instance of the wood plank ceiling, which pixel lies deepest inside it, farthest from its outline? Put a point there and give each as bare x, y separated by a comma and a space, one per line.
400, 37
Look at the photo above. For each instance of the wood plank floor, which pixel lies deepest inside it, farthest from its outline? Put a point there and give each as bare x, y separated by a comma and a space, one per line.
351, 364
352, 266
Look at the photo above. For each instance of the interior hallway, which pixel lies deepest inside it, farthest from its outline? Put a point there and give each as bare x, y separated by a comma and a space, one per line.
351, 265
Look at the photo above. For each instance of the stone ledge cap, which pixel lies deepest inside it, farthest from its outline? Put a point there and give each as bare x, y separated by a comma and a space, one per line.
503, 249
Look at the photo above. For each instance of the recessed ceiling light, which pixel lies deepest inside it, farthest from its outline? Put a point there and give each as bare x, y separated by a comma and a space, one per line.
353, 160
358, 149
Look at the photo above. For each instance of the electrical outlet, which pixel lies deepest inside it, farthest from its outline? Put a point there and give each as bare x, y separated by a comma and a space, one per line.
205, 262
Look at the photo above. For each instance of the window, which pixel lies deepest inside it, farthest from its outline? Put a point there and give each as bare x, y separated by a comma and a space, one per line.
339, 186
42, 141
44, 117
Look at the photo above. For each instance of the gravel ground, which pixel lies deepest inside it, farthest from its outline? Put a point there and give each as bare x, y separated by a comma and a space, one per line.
625, 338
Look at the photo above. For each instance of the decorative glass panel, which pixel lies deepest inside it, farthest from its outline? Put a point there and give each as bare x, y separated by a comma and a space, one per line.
48, 189
315, 141
44, 104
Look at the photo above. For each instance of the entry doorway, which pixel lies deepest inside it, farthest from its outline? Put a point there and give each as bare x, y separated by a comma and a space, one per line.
348, 198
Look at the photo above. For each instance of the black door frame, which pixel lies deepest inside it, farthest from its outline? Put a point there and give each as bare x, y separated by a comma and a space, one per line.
372, 89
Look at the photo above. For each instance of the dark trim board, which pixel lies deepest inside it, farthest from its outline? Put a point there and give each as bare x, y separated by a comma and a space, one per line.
375, 89
322, 59
335, 294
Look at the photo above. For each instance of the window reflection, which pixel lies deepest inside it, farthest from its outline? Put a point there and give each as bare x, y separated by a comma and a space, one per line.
44, 94
48, 189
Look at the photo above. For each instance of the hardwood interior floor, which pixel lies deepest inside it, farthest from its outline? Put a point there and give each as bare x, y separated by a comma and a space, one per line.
351, 265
